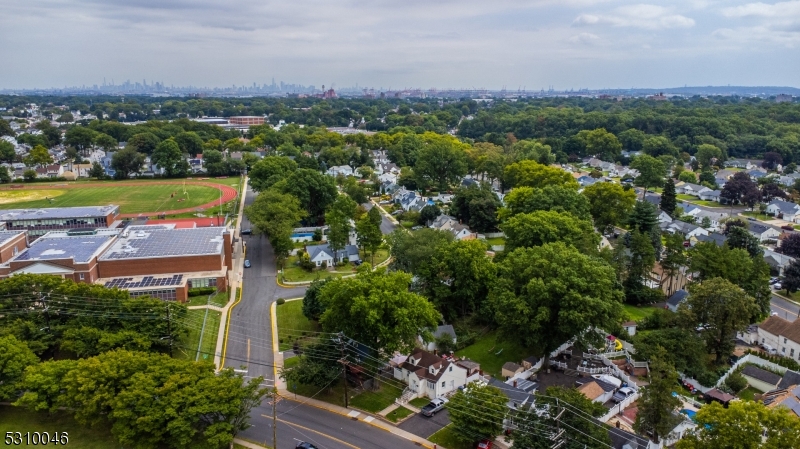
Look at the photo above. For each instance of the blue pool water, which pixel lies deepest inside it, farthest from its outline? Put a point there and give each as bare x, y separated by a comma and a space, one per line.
689, 413
303, 234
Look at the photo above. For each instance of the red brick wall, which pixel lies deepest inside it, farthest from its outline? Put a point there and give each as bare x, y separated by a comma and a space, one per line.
7, 251
143, 267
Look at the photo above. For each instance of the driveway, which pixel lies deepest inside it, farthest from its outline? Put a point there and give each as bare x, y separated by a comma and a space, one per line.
424, 427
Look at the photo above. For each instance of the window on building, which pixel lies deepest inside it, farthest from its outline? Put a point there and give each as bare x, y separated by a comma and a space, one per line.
784, 340
451, 369
16, 250
81, 276
791, 353
443, 384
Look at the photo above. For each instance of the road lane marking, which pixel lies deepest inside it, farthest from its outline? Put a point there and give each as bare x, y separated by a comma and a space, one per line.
786, 310
315, 431
248, 351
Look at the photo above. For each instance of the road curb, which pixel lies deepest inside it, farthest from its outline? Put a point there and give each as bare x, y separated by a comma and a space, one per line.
785, 298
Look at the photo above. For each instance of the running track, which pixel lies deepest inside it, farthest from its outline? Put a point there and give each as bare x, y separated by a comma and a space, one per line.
228, 194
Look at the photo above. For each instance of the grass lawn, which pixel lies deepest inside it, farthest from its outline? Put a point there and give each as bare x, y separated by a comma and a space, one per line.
496, 241
638, 313
293, 325
757, 215
485, 351
793, 296
683, 196
293, 273
194, 323
748, 394
398, 414
18, 419
130, 197
332, 395
419, 402
446, 438
375, 401
709, 203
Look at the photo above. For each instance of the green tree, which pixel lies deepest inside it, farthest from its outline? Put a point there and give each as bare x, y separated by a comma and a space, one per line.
7, 153
541, 227
743, 425
369, 232
145, 142
29, 175
723, 308
609, 204
644, 218
476, 206
791, 276
642, 260
739, 237
555, 198
190, 143
657, 405
687, 176
80, 137
488, 422
458, 278
106, 142
685, 350
549, 294
15, 357
651, 171
601, 144
669, 198
97, 171
266, 172
377, 309
314, 190
39, 156
126, 162
5, 178
534, 174
428, 214
168, 156
5, 129
338, 229
312, 306
442, 162
708, 155
658, 146
276, 214
314, 368
412, 251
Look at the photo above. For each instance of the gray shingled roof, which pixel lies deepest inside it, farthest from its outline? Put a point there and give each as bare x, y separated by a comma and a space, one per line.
677, 297
761, 374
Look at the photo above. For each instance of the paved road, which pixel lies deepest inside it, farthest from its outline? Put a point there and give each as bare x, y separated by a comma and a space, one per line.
784, 309
249, 347
387, 227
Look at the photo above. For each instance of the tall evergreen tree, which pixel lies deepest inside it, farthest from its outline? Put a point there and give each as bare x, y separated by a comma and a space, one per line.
657, 405
645, 219
668, 197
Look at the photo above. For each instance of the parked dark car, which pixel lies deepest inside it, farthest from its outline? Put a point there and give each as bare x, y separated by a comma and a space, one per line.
247, 263
304, 445
247, 231
434, 406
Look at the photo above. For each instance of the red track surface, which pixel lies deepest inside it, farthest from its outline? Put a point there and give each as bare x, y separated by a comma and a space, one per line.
228, 194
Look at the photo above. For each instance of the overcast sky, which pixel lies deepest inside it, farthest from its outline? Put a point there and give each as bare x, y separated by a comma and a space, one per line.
407, 43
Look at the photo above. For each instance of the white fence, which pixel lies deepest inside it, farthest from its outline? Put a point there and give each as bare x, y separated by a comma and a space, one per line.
493, 235
617, 409
755, 360
602, 370
558, 364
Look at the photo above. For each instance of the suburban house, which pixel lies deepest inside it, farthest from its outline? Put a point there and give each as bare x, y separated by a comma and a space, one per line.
676, 299
586, 181
760, 379
664, 217
782, 335
777, 262
387, 177
742, 163
687, 229
450, 224
323, 253
445, 329
408, 200
386, 167
50, 171
430, 375
788, 397
596, 390
762, 232
720, 182
715, 238
755, 175
336, 170
389, 187
687, 188
714, 218
785, 210
710, 195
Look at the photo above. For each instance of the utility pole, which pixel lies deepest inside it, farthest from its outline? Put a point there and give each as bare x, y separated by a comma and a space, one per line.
46, 310
274, 417
344, 363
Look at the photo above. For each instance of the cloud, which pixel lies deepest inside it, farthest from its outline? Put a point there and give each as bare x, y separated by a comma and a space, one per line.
584, 38
644, 16
789, 9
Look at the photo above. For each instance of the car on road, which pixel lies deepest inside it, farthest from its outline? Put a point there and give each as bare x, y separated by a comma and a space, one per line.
622, 394
247, 263
434, 406
777, 286
247, 231
484, 444
304, 445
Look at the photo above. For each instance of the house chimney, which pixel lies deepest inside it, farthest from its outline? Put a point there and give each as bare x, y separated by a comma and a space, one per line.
435, 352
515, 383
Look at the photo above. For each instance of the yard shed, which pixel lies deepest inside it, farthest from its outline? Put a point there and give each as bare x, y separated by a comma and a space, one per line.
719, 396
511, 368
761, 379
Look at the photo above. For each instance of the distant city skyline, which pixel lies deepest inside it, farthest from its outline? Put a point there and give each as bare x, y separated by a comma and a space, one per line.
531, 45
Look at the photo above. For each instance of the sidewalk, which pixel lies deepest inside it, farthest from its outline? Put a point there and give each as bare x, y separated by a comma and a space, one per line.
207, 306
235, 282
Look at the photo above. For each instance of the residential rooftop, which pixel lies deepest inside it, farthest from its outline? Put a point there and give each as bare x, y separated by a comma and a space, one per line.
144, 242
50, 213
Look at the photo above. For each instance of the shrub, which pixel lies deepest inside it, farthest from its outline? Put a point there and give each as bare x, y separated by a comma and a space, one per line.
306, 263
317, 237
202, 291
736, 382
660, 319
324, 264
280, 301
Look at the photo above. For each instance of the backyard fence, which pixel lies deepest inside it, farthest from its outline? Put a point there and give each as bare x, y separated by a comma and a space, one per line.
755, 360
618, 408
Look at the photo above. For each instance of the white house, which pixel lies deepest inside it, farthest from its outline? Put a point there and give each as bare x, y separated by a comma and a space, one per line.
710, 195
786, 210
344, 170
762, 232
687, 188
782, 335
714, 218
430, 375
777, 261
687, 229
323, 253
450, 224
